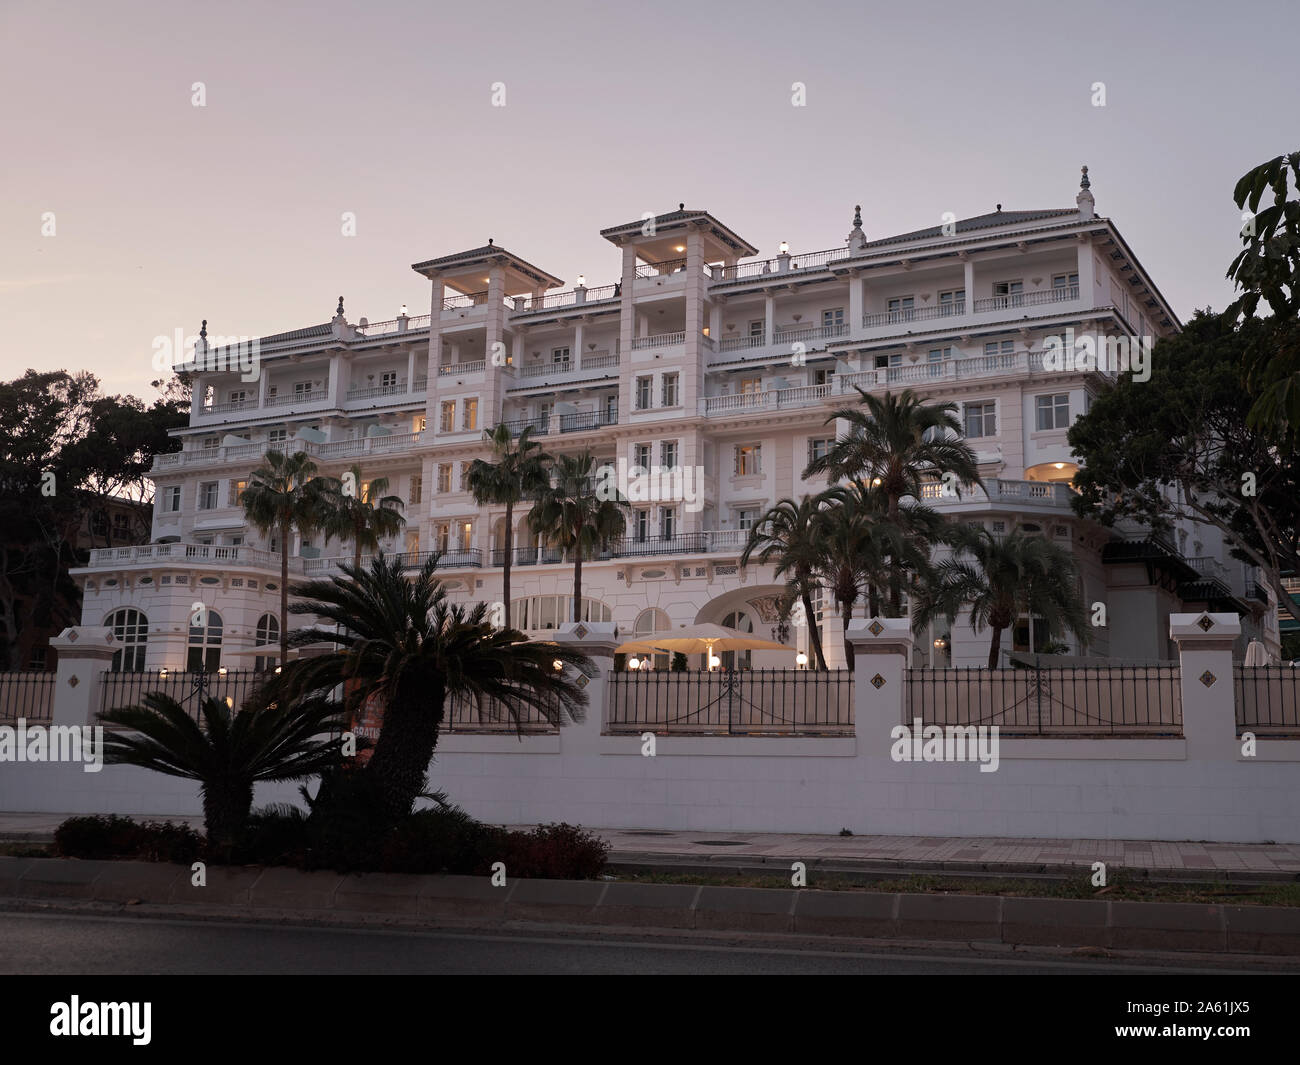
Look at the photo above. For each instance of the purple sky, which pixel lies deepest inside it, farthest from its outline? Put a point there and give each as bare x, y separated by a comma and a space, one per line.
168, 213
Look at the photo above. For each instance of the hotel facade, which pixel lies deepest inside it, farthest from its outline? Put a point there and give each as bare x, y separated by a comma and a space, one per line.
704, 358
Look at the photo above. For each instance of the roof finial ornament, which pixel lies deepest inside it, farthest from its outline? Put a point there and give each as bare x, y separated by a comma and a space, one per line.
203, 331
999, 208
857, 238
339, 311
1087, 204
681, 207
489, 242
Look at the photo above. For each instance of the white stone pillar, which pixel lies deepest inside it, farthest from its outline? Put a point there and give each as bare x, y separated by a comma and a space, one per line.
597, 640
882, 649
1205, 643
85, 653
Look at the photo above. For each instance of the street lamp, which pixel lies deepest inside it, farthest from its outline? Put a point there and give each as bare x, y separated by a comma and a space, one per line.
801, 660
634, 663
714, 661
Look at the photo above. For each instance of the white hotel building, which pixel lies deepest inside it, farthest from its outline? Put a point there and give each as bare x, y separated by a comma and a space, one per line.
702, 356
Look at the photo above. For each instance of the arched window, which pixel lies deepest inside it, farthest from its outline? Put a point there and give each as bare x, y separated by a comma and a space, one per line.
536, 612
131, 630
653, 620
741, 622
266, 634
205, 644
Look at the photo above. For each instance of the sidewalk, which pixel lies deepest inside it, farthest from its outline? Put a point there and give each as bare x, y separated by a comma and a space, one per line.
674, 849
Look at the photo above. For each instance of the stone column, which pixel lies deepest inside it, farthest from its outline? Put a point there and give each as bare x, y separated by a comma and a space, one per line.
882, 649
85, 653
597, 640
1205, 643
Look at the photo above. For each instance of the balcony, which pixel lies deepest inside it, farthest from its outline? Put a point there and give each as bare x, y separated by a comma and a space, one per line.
658, 340
184, 554
561, 301
598, 419
367, 445
402, 324
382, 391
783, 264
918, 314
539, 426
1052, 495
459, 368
767, 400
411, 560
567, 370
317, 395
727, 541
1064, 294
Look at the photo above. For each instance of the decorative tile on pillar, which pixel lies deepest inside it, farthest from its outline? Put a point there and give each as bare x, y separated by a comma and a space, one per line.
1205, 622
877, 682
875, 628
581, 680
580, 630
1207, 678
73, 636
73, 681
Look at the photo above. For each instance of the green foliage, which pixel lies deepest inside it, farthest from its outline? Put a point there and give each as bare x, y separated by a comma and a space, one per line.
1180, 446
404, 643
101, 837
361, 513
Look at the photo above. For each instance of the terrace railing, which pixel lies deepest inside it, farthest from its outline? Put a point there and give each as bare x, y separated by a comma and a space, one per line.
1267, 699
27, 694
189, 688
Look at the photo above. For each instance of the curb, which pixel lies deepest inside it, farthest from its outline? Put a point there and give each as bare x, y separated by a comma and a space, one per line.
976, 919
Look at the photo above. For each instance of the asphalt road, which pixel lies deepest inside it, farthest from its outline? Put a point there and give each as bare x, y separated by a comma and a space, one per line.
54, 943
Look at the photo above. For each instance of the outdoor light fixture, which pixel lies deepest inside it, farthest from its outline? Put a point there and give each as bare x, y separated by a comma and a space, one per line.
162, 673
801, 660
558, 665
785, 248
680, 247
1060, 465
634, 663
940, 643
582, 280
876, 482
229, 702
277, 669
222, 671
714, 661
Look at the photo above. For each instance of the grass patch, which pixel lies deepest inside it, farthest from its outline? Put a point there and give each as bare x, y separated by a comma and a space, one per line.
1120, 887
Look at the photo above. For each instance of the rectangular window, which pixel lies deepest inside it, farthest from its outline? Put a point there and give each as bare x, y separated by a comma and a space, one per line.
388, 379
466, 535
832, 319
211, 443
172, 498
980, 419
470, 420
641, 526
560, 358
1065, 281
667, 522
644, 392
758, 328
748, 386
441, 536
641, 456
447, 416
464, 476
820, 447
953, 301
238, 396
901, 308
1009, 293
237, 492
936, 359
670, 390
883, 361
745, 519
668, 454
749, 460
444, 478
1053, 411
301, 388
822, 377
208, 495
420, 423
416, 491
277, 436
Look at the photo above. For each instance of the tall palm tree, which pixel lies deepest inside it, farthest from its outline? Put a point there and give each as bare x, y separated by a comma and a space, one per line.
1003, 576
895, 443
784, 535
516, 472
573, 516
277, 500
358, 510
229, 751
402, 642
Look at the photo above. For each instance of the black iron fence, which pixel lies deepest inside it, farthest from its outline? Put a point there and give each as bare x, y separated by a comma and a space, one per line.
27, 694
187, 688
463, 715
1267, 699
758, 702
1083, 701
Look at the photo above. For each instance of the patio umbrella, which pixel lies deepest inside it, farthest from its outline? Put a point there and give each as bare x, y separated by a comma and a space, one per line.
705, 639
1256, 655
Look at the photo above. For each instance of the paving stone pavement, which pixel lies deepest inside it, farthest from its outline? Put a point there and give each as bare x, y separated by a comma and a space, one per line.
1193, 856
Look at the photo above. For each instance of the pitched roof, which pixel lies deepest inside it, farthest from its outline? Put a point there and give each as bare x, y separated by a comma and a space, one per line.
981, 221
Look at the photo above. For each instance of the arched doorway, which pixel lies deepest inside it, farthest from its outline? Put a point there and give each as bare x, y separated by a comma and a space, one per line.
741, 621
653, 620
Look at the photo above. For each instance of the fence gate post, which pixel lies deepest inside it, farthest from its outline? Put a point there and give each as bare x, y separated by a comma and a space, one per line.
597, 640
85, 653
882, 649
1205, 643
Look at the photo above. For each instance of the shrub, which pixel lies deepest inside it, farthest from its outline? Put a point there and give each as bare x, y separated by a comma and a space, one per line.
442, 840
121, 837
553, 852
275, 835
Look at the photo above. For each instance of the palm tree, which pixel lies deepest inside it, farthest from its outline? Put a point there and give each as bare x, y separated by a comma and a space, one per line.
894, 445
1008, 574
277, 500
229, 752
519, 471
573, 515
785, 535
358, 510
402, 642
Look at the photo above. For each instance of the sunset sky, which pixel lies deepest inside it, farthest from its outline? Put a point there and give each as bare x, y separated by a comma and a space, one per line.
167, 213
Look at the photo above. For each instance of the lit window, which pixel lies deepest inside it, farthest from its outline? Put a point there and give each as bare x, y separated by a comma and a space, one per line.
748, 460
447, 416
